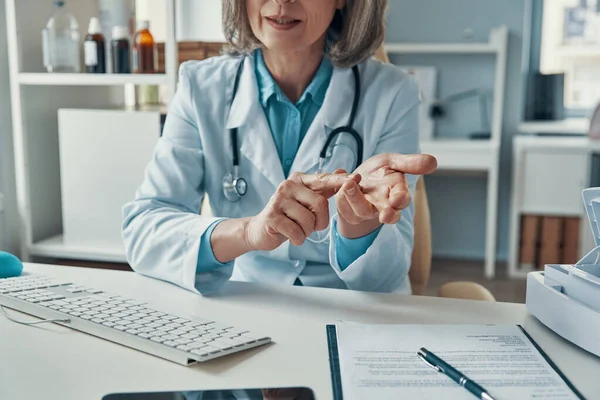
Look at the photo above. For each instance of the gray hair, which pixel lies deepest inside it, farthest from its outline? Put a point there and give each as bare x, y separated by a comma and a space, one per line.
355, 33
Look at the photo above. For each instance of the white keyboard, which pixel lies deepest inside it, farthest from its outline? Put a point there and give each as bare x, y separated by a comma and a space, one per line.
126, 321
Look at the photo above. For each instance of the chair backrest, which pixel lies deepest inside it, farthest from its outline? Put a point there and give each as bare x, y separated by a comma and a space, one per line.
421, 256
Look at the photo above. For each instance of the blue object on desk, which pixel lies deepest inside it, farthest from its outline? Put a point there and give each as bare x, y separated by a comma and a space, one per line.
443, 367
10, 266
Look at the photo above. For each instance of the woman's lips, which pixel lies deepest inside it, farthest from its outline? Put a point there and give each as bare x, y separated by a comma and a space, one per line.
282, 23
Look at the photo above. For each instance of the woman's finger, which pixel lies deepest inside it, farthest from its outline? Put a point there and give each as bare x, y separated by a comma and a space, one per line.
289, 229
345, 210
359, 204
303, 217
400, 196
314, 202
389, 216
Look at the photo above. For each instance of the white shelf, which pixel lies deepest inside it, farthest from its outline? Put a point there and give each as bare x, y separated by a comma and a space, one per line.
581, 50
55, 247
441, 48
571, 126
82, 79
462, 154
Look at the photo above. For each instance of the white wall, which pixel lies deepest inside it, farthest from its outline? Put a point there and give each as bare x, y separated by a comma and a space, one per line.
9, 234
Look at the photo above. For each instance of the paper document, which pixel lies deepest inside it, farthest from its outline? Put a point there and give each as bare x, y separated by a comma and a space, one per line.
380, 362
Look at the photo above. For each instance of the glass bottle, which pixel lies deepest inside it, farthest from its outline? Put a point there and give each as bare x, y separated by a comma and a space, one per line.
121, 53
93, 49
144, 50
60, 41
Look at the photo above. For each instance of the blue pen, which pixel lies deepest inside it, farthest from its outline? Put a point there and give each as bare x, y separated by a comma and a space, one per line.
443, 367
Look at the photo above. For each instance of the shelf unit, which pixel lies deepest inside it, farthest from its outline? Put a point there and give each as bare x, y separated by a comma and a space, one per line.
36, 97
468, 156
560, 167
569, 126
45, 79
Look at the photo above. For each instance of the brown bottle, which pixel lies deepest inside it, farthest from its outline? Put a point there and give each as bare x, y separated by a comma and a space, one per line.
93, 48
144, 50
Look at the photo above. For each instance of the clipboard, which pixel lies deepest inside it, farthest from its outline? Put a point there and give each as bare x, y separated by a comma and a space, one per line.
336, 376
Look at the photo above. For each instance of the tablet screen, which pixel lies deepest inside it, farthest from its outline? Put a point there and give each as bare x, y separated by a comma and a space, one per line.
229, 394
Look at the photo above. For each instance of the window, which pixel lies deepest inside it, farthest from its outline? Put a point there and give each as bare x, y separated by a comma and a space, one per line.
571, 45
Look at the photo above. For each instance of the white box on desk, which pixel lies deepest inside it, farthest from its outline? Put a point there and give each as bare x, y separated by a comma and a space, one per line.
103, 155
566, 298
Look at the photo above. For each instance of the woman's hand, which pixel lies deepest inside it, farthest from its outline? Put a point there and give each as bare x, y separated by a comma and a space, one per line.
380, 194
297, 209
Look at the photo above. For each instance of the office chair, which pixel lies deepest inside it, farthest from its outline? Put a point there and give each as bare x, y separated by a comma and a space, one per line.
421, 256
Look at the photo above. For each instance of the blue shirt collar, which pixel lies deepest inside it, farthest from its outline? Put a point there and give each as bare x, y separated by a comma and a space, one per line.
267, 86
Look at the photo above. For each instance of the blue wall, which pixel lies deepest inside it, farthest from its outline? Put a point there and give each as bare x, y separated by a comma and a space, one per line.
458, 203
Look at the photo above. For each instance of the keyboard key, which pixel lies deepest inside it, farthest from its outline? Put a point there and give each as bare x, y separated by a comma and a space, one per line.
211, 336
231, 335
133, 331
121, 327
75, 314
203, 351
146, 329
178, 332
190, 336
170, 337
222, 346
165, 328
97, 320
231, 342
157, 339
220, 326
135, 326
144, 335
110, 324
196, 345
184, 347
170, 343
183, 341
154, 325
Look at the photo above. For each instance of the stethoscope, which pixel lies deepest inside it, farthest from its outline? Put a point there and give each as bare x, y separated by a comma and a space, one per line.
236, 187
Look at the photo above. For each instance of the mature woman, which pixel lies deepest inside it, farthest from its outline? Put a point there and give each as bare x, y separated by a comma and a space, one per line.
251, 130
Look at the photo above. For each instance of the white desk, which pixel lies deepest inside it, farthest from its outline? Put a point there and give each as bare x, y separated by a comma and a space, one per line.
53, 362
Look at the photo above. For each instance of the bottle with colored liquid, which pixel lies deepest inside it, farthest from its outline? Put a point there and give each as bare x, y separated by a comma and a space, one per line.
144, 50
121, 52
94, 50
145, 62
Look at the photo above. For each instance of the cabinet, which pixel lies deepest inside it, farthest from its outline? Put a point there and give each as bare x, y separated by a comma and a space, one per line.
549, 174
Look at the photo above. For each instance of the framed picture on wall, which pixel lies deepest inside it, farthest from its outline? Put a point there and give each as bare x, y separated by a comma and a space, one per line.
427, 78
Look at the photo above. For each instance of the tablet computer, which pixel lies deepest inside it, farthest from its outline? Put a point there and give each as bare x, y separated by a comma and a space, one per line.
299, 393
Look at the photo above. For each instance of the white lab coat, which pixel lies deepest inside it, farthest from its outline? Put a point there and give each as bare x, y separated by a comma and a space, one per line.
162, 228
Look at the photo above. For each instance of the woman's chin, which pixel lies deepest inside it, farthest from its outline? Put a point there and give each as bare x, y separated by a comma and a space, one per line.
283, 46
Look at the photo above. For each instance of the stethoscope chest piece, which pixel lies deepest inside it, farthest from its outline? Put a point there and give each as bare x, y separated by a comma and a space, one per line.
234, 188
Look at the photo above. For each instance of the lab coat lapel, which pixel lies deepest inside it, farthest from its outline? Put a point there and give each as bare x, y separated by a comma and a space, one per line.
334, 113
254, 134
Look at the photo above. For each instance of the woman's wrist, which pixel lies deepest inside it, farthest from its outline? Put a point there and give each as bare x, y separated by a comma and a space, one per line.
229, 241
350, 231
